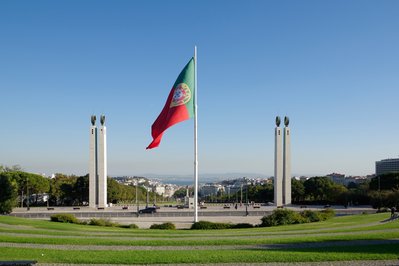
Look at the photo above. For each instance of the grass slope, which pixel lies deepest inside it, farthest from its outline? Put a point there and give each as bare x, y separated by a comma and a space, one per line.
360, 227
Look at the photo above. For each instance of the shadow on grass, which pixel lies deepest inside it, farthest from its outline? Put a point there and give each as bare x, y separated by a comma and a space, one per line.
390, 219
388, 246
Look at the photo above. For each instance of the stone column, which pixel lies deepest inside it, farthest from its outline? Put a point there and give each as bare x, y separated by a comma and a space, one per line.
287, 164
93, 201
278, 165
102, 165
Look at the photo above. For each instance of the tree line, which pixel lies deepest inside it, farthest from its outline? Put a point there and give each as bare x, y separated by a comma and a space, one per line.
71, 190
380, 191
19, 188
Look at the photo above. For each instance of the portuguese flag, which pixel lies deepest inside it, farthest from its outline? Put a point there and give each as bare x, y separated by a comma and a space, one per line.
178, 107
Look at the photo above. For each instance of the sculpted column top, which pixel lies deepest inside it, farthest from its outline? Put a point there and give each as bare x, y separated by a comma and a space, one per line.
286, 121
278, 121
93, 120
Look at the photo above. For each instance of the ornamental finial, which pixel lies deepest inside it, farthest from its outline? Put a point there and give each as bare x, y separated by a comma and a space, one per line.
93, 120
286, 121
278, 121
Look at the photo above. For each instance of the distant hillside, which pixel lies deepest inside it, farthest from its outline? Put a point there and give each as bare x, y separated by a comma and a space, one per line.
203, 178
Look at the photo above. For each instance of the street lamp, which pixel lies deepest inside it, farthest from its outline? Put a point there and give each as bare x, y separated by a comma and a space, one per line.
137, 201
27, 194
246, 199
379, 192
147, 198
241, 196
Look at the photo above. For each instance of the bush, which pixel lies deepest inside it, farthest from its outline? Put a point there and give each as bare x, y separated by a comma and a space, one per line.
282, 217
102, 222
133, 226
164, 226
326, 214
97, 222
64, 218
7, 205
8, 193
241, 225
204, 225
311, 216
129, 226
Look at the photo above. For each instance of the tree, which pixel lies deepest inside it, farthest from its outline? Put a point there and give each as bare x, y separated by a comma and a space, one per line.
259, 193
182, 192
81, 190
319, 188
297, 190
62, 188
384, 190
388, 181
338, 193
358, 195
8, 193
36, 184
113, 190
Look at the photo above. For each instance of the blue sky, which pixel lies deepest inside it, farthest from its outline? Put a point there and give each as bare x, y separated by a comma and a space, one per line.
331, 66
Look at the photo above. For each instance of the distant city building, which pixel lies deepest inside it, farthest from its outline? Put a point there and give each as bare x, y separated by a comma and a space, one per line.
346, 180
386, 166
355, 180
160, 190
337, 178
165, 190
210, 189
303, 178
154, 185
169, 191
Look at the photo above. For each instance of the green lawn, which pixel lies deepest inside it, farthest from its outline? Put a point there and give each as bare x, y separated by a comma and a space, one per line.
239, 245
376, 252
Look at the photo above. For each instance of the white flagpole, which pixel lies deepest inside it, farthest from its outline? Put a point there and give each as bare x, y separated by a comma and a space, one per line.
195, 140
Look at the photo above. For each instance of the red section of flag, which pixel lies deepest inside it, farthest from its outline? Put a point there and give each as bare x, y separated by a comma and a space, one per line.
167, 118
178, 107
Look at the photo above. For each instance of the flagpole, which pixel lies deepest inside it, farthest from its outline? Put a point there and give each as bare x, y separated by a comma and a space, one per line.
195, 140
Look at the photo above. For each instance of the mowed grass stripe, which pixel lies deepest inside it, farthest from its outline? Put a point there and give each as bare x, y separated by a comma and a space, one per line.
204, 241
232, 234
344, 253
338, 224
235, 245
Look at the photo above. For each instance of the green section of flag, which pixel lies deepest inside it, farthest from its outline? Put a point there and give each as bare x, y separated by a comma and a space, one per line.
187, 77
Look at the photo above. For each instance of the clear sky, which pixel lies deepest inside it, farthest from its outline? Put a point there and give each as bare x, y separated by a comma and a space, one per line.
331, 66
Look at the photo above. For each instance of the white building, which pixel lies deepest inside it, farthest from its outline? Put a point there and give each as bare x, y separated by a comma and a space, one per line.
210, 189
160, 190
